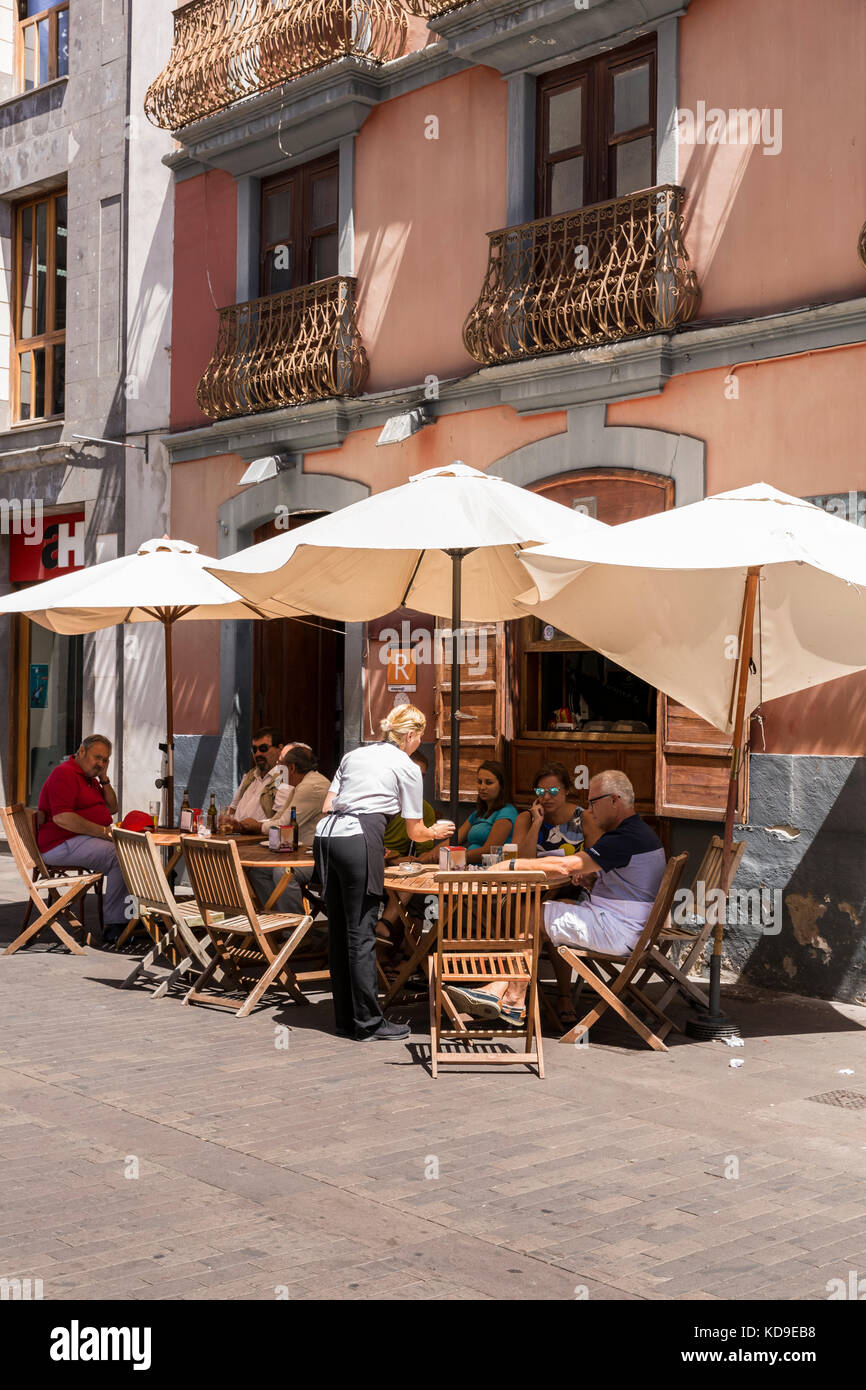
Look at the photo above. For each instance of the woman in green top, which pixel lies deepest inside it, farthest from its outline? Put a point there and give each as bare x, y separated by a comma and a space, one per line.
492, 822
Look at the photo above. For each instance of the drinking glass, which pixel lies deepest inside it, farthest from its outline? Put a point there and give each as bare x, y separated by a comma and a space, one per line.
155, 808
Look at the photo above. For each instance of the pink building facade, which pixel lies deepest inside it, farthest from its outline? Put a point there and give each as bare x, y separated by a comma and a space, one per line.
611, 252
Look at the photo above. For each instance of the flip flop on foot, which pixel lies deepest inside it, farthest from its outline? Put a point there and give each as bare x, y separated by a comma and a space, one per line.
476, 1002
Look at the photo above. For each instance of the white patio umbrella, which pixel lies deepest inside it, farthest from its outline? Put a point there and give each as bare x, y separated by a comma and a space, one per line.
722, 604
165, 581
449, 539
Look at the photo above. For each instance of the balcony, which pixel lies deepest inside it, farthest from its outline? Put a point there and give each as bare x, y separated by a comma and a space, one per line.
286, 349
580, 279
225, 50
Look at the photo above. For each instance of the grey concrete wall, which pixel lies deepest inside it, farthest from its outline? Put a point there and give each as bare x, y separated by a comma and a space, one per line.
805, 838
89, 132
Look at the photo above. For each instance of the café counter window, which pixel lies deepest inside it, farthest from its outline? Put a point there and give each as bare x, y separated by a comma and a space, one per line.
573, 705
581, 709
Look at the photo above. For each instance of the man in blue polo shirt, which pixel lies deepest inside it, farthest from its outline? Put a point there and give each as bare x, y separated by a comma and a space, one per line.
623, 868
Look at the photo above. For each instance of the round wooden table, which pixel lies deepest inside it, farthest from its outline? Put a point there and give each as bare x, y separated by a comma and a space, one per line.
252, 852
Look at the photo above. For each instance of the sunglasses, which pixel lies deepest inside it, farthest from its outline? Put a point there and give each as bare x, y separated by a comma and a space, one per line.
547, 791
262, 747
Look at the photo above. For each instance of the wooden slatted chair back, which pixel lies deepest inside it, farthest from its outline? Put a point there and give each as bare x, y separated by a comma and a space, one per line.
489, 912
217, 877
18, 825
143, 872
711, 866
662, 905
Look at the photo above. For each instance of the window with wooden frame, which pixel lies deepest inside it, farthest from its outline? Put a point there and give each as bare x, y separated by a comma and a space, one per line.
41, 43
596, 135
39, 322
299, 236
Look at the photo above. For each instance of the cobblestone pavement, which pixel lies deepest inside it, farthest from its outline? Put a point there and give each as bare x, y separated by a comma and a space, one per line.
154, 1151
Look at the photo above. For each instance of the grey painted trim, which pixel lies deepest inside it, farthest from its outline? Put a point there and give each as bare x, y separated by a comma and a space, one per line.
667, 99
635, 368
238, 518
249, 229
588, 443
514, 36
520, 173
293, 488
353, 689
346, 208
295, 122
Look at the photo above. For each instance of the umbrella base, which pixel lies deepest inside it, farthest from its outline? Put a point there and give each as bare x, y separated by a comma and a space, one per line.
712, 1026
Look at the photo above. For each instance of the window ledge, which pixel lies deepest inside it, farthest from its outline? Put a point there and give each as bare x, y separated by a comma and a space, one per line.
34, 92
522, 36
45, 422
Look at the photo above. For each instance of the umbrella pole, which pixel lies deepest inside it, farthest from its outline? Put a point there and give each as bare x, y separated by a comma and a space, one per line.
169, 724
715, 1025
456, 606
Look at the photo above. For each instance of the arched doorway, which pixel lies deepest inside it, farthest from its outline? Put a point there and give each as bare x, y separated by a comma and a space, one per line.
298, 671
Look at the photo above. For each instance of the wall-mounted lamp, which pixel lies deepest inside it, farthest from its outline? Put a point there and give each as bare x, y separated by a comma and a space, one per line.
401, 427
268, 467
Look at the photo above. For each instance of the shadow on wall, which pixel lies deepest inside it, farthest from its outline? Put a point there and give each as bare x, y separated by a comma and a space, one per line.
805, 843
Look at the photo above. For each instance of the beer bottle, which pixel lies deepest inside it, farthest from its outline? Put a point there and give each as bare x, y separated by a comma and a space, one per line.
185, 806
185, 811
293, 822
212, 815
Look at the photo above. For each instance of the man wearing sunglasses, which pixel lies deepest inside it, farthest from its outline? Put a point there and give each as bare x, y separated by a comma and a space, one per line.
254, 799
623, 868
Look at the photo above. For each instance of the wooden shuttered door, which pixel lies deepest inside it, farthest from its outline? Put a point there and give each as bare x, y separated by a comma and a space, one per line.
482, 699
693, 761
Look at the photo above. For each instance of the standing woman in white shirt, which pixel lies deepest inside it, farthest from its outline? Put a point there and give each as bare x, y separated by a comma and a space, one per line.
372, 784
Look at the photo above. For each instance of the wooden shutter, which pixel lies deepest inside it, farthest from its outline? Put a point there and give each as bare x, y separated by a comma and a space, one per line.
482, 695
693, 762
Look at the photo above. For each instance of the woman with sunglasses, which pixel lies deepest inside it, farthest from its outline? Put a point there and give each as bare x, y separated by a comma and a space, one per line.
553, 825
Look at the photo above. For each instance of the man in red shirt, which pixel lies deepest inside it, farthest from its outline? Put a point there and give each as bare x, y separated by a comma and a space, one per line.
79, 801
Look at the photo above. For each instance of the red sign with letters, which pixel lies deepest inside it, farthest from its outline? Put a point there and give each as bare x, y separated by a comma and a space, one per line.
59, 549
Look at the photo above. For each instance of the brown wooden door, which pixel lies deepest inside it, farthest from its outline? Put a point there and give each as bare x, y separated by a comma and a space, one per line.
482, 699
298, 673
693, 762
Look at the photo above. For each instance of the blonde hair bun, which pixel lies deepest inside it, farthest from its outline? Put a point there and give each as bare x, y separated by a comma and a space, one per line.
404, 720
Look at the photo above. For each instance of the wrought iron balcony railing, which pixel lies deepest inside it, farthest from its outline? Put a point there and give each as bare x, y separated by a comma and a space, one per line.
286, 349
610, 271
228, 49
429, 9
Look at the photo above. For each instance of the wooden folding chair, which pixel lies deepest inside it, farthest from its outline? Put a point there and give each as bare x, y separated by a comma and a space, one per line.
693, 934
487, 932
176, 928
95, 879
63, 889
244, 937
613, 976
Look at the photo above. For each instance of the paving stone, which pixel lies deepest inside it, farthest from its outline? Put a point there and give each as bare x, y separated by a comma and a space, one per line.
305, 1170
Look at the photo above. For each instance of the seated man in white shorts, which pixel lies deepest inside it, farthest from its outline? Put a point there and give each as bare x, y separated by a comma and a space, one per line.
624, 869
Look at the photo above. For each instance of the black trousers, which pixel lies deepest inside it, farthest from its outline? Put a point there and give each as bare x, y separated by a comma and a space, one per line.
352, 917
